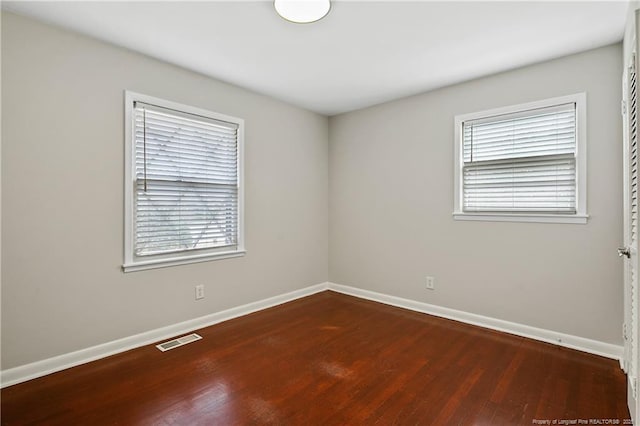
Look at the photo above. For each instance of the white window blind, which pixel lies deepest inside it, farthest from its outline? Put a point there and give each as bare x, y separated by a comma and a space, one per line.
186, 181
521, 162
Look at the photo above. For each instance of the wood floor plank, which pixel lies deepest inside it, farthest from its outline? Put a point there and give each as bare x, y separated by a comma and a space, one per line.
329, 359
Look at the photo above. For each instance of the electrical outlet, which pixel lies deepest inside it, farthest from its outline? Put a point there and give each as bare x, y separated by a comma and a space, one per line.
199, 292
431, 283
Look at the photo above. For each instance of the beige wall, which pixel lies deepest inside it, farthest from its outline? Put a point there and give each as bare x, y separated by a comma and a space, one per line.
62, 196
391, 200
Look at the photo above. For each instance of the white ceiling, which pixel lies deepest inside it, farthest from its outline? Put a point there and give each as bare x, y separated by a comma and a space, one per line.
361, 54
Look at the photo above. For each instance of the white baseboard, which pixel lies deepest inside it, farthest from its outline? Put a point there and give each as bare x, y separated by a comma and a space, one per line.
51, 365
574, 342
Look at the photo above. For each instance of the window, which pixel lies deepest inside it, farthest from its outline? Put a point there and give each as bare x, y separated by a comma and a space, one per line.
183, 184
523, 163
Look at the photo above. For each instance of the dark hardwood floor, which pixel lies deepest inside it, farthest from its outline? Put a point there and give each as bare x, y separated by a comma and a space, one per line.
330, 359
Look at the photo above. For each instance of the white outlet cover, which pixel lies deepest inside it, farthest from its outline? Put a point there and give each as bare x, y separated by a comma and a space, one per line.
199, 292
431, 283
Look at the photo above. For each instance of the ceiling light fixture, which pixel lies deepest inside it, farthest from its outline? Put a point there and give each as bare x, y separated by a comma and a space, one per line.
302, 11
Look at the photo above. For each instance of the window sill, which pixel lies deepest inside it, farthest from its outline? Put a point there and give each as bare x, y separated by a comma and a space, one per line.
515, 217
174, 261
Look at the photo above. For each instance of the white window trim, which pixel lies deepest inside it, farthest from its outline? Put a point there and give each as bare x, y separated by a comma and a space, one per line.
138, 263
581, 216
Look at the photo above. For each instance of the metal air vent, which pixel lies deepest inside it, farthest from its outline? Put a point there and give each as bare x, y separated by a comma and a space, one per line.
180, 341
